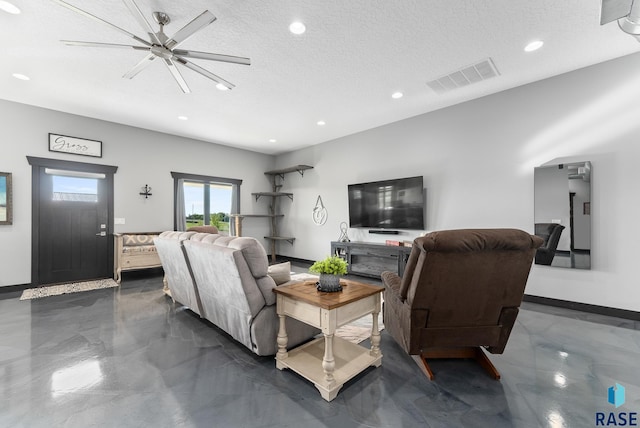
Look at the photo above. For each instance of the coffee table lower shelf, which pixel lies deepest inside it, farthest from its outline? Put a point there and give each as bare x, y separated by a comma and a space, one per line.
350, 360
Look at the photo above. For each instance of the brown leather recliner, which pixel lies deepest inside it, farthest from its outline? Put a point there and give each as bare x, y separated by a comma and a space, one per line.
461, 290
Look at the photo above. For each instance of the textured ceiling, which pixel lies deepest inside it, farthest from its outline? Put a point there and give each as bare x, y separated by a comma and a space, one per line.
343, 70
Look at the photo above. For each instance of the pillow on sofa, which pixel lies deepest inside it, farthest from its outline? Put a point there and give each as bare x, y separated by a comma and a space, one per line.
280, 273
132, 240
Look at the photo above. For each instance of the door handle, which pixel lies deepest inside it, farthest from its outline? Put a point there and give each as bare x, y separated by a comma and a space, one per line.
101, 234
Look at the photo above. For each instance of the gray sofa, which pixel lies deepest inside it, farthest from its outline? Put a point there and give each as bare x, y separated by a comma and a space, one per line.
226, 280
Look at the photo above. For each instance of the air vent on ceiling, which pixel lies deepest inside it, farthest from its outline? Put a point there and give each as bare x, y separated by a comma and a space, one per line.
483, 70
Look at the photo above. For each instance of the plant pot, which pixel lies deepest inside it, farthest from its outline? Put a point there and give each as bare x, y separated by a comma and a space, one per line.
329, 283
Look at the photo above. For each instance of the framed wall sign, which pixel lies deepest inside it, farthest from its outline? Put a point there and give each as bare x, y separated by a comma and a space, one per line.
76, 146
6, 201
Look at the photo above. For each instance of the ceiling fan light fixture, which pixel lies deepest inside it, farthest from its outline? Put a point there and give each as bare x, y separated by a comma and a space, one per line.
297, 27
161, 18
9, 7
20, 76
533, 46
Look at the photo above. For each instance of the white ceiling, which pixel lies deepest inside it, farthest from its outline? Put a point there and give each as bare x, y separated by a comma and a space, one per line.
343, 70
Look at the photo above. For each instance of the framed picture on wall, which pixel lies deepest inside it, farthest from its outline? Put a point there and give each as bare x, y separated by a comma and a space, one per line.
74, 145
6, 206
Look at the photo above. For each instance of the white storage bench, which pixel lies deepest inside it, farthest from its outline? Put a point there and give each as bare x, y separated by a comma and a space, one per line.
134, 251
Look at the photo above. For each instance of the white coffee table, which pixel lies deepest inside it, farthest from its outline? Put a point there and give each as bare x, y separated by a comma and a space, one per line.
329, 362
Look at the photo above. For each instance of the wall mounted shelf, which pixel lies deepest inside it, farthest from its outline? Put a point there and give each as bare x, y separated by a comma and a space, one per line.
275, 194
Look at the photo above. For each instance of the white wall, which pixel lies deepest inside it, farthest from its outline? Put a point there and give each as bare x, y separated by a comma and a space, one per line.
142, 157
477, 160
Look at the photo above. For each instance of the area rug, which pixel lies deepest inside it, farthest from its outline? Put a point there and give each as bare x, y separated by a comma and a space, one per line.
356, 331
72, 287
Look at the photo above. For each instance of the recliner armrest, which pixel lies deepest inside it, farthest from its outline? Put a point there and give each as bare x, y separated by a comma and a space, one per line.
391, 281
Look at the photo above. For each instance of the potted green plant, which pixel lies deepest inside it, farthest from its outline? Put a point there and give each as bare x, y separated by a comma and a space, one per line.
330, 270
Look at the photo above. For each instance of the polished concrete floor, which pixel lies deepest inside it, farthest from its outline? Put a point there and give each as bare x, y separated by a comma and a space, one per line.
130, 357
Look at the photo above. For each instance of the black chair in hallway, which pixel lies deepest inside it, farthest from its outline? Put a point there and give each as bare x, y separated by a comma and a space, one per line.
550, 233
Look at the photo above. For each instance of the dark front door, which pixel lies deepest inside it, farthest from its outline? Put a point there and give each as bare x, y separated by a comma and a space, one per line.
72, 224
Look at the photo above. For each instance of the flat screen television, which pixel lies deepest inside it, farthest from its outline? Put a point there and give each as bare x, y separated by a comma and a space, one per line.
388, 204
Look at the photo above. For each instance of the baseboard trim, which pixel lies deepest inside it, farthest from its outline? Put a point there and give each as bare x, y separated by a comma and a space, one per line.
584, 307
12, 288
280, 259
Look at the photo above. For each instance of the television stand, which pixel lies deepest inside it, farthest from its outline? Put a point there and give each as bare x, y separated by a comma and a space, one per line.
384, 231
371, 259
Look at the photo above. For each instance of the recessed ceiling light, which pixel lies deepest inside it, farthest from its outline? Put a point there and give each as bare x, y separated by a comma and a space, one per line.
8, 7
297, 27
273, 140
222, 87
321, 123
397, 95
21, 76
534, 46
183, 118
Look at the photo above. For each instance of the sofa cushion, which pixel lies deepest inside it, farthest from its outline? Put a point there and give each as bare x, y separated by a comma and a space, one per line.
176, 234
280, 273
201, 236
254, 254
222, 241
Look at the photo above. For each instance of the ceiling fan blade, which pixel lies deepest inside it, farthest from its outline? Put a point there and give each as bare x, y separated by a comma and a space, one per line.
103, 45
204, 19
213, 56
95, 18
137, 14
146, 61
176, 75
614, 9
205, 73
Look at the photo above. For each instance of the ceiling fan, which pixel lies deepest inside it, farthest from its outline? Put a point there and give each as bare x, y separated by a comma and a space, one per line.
161, 46
626, 12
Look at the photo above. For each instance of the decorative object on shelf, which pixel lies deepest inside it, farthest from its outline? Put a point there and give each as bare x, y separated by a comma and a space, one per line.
75, 146
146, 191
343, 233
319, 213
6, 199
330, 270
